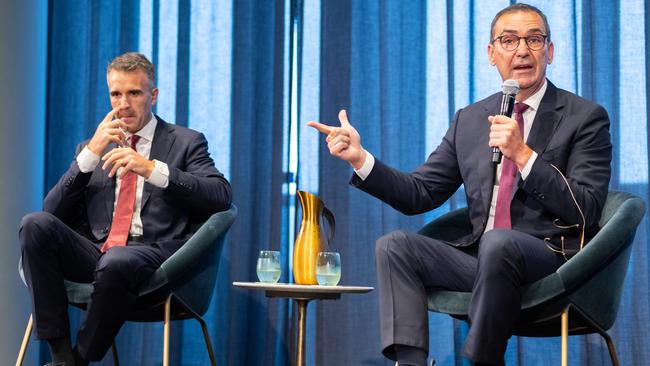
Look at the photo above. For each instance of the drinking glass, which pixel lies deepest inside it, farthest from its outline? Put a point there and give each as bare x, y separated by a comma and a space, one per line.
268, 266
328, 268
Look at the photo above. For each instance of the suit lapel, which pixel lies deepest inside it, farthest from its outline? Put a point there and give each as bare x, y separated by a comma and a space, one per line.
160, 148
546, 120
484, 163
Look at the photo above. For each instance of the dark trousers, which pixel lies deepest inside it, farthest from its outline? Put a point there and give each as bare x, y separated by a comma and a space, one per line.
409, 264
52, 252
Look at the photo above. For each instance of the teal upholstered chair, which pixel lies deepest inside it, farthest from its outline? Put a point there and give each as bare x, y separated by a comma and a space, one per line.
581, 297
180, 289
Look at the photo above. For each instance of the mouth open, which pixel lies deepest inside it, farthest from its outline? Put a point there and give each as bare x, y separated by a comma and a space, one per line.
523, 67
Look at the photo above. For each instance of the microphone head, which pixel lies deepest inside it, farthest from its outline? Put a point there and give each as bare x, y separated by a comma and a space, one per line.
510, 87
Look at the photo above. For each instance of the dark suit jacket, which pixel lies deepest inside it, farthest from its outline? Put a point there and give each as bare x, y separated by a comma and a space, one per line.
568, 132
196, 189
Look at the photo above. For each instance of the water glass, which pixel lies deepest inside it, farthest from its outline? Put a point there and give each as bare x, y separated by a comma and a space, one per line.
268, 266
328, 268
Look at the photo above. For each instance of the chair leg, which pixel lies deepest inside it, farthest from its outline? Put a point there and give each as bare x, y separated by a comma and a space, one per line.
603, 333
208, 343
23, 346
565, 336
116, 360
168, 303
610, 347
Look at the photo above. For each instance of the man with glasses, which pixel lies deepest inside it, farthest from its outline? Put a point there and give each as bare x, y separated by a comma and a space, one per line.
528, 216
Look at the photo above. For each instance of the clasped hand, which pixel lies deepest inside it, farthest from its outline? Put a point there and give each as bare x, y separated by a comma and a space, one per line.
111, 130
343, 142
505, 134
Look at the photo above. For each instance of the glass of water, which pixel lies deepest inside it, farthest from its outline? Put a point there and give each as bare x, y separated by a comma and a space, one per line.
328, 268
268, 266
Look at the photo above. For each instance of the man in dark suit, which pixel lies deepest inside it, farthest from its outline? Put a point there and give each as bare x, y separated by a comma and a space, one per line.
124, 206
529, 215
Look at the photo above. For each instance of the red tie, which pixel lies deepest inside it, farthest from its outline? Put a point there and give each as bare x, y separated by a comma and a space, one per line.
124, 208
507, 180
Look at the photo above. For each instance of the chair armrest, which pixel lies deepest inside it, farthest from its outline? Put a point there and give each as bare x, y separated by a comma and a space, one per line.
197, 247
614, 237
449, 227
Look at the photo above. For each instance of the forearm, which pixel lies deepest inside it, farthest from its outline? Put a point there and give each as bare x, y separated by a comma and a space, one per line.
202, 193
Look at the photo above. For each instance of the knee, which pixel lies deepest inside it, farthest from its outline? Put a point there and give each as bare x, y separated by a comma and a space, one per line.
114, 265
496, 247
35, 230
391, 245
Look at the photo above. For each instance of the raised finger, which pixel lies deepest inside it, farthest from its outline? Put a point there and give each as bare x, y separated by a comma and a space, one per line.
320, 127
111, 114
343, 118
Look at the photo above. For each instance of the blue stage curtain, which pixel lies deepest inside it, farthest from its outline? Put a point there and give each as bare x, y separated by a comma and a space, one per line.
232, 70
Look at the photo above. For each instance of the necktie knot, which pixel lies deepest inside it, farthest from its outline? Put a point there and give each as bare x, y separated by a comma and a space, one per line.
521, 107
134, 141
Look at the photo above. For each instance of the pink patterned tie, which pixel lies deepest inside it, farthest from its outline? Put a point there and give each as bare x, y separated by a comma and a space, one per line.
124, 208
507, 180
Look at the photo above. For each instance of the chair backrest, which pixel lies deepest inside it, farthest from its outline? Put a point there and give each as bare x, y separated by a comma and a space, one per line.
594, 277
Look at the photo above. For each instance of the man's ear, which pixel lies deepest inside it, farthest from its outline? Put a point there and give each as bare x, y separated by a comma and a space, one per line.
154, 96
551, 49
490, 53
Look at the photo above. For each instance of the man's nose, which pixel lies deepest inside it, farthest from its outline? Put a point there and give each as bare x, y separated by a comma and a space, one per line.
522, 47
124, 102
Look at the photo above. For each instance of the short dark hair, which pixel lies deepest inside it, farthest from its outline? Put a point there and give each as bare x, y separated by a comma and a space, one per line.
132, 61
520, 7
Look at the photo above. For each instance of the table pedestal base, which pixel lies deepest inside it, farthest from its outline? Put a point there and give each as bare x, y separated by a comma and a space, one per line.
302, 326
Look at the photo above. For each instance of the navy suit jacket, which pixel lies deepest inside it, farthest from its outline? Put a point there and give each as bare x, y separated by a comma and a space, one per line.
568, 132
196, 189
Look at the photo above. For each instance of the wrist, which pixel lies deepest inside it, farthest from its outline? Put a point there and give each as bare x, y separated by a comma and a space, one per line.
149, 167
522, 158
93, 148
358, 163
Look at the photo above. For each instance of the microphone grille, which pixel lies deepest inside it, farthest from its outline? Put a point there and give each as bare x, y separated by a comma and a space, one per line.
510, 87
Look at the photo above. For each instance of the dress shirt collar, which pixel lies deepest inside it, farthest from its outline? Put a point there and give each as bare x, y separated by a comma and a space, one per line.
534, 100
146, 132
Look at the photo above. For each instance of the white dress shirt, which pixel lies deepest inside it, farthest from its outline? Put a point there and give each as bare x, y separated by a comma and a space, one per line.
529, 116
87, 161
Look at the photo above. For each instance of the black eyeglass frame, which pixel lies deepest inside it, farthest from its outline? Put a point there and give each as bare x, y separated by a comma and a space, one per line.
499, 38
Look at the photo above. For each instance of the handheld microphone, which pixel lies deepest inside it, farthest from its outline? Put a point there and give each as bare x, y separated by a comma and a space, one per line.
510, 88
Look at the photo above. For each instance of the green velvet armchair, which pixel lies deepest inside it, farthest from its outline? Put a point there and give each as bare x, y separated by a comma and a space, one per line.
180, 289
581, 297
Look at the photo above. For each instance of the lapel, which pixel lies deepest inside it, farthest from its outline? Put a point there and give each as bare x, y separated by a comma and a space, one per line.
160, 148
484, 162
546, 120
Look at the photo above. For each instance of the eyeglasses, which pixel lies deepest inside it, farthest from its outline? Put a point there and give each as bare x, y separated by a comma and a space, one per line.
510, 42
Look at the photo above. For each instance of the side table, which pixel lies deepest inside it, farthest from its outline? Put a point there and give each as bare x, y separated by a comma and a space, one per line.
302, 294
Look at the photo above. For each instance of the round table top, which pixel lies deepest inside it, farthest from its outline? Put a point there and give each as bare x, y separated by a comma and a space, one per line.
302, 291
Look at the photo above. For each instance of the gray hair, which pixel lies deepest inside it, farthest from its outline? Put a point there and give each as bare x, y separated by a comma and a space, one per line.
132, 61
521, 7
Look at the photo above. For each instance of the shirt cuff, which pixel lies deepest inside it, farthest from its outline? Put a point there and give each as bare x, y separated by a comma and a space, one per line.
87, 160
365, 170
529, 165
160, 175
